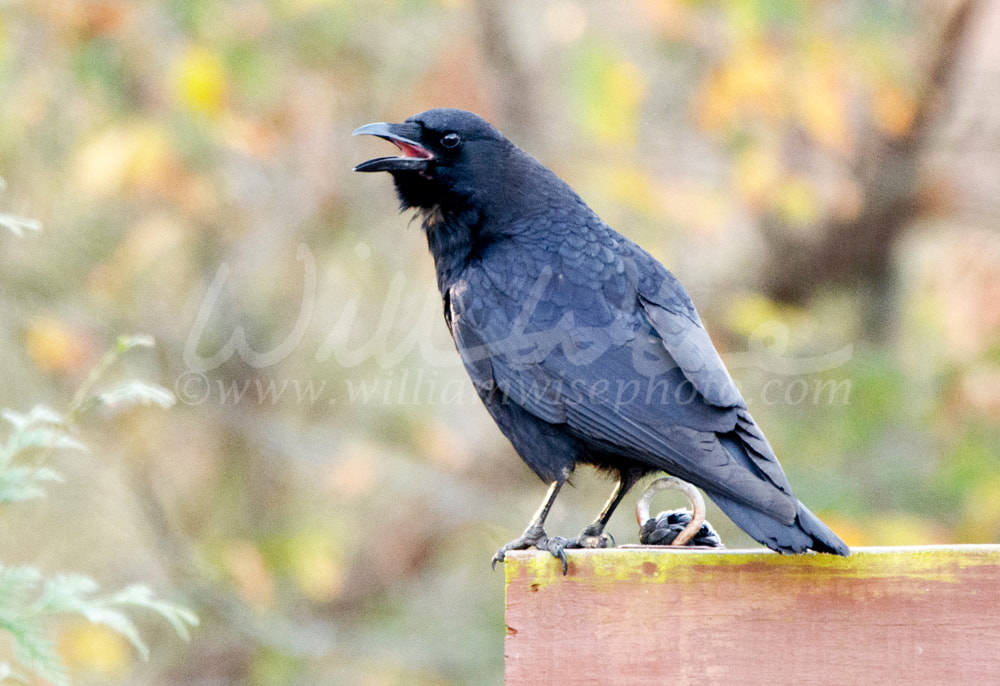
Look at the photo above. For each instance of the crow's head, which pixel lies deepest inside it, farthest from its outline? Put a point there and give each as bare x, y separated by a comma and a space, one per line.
448, 158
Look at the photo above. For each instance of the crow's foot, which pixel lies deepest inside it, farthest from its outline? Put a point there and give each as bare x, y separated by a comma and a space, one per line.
592, 537
535, 537
585, 540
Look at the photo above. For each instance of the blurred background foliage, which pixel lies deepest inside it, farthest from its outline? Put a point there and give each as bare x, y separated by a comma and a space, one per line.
823, 175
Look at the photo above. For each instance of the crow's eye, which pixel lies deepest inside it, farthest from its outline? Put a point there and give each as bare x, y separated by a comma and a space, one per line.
451, 140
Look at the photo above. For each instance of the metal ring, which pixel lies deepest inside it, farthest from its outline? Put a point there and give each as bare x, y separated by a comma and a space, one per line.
690, 492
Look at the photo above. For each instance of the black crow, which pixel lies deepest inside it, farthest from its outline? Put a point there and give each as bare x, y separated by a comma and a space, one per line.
582, 346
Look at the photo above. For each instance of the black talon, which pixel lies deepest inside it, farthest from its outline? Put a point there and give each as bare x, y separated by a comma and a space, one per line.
561, 554
557, 546
535, 537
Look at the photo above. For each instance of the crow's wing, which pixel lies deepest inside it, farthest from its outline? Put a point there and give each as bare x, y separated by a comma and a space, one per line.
675, 434
671, 313
687, 342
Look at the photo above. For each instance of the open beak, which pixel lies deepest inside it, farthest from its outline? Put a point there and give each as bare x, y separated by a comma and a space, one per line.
413, 157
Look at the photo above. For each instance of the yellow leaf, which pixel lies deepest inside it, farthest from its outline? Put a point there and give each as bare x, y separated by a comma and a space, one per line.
893, 110
628, 185
136, 153
102, 163
53, 347
796, 202
626, 87
612, 91
96, 649
315, 566
758, 174
821, 108
743, 19
746, 313
199, 81
749, 85
150, 157
249, 572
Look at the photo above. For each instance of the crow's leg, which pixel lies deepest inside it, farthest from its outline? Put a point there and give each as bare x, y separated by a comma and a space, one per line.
535, 534
593, 536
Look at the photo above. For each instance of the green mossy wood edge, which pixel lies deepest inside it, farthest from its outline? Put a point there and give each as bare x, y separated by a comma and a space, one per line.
649, 564
638, 615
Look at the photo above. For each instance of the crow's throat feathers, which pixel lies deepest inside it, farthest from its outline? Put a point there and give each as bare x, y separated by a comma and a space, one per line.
453, 239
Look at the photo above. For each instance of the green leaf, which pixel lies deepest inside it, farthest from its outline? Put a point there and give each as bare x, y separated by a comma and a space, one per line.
38, 652
65, 593
16, 585
130, 394
126, 343
19, 225
31, 647
24, 483
41, 437
76, 593
39, 415
23, 607
40, 428
179, 617
136, 393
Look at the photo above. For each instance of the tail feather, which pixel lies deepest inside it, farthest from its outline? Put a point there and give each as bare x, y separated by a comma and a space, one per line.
824, 540
807, 532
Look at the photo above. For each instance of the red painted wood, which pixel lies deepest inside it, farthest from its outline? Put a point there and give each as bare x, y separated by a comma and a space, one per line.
908, 616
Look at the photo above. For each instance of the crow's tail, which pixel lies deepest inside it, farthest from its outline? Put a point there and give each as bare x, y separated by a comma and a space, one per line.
784, 534
806, 532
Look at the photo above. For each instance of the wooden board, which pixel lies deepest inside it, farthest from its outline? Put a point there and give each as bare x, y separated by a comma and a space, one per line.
912, 616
